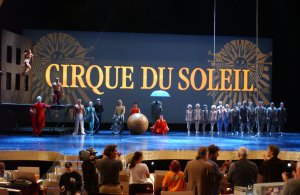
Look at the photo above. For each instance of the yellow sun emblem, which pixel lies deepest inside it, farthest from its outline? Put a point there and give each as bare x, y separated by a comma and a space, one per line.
56, 48
243, 54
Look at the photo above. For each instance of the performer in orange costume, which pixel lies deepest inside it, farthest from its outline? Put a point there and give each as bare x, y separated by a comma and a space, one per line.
160, 126
135, 109
37, 111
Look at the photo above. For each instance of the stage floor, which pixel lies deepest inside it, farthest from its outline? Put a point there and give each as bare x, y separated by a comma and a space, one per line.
174, 141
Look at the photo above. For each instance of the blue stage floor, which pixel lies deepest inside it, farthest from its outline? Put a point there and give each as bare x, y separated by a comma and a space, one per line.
70, 145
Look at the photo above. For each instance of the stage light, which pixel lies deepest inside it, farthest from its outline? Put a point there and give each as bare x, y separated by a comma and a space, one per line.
159, 93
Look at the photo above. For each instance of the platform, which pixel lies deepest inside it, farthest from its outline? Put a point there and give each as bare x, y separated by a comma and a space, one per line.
179, 145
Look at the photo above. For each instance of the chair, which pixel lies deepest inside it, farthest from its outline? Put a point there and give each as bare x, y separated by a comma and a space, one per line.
158, 179
146, 188
177, 193
3, 191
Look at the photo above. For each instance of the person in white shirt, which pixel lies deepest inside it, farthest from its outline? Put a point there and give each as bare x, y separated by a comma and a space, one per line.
138, 174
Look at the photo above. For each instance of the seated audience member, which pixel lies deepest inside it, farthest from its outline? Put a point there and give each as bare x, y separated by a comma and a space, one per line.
271, 169
160, 126
292, 186
138, 174
242, 172
70, 182
109, 168
174, 179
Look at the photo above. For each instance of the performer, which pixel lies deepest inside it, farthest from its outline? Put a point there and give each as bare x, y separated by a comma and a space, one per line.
90, 116
57, 91
135, 109
38, 116
260, 117
281, 114
204, 117
120, 111
235, 117
156, 110
271, 118
227, 115
98, 109
213, 118
244, 117
28, 56
160, 126
251, 118
189, 117
78, 115
197, 117
220, 118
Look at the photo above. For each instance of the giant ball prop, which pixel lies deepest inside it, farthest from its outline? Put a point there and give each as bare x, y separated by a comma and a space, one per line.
137, 124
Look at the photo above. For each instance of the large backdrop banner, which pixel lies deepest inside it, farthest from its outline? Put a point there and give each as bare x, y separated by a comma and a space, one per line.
130, 66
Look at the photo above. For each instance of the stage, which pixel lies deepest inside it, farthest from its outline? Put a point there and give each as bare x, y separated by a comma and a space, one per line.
177, 145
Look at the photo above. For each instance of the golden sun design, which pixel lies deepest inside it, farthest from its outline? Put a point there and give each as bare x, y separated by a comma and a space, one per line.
243, 54
56, 48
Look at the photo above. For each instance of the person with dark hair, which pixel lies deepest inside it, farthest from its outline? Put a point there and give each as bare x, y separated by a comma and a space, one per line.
98, 109
272, 168
244, 117
271, 118
204, 117
2, 169
213, 153
28, 56
109, 168
70, 182
242, 172
57, 91
135, 109
281, 117
199, 174
174, 179
90, 175
138, 174
292, 186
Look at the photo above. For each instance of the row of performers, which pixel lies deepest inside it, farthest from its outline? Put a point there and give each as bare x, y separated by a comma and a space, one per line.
243, 118
91, 114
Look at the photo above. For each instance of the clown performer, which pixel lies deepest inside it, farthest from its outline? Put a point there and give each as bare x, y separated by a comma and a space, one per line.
38, 116
135, 109
189, 117
213, 118
197, 117
90, 117
28, 56
78, 115
204, 117
160, 126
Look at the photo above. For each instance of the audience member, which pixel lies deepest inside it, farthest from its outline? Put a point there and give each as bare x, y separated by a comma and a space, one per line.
70, 182
138, 174
213, 153
199, 174
242, 172
174, 179
271, 169
292, 186
90, 175
109, 168
2, 169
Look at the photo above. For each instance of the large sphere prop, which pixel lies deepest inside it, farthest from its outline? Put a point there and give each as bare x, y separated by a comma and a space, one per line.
137, 124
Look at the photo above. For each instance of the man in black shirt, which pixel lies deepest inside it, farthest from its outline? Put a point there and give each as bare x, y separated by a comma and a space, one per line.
271, 170
70, 182
98, 109
90, 174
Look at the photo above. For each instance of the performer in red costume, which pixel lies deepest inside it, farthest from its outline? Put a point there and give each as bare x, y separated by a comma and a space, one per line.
135, 109
38, 116
160, 126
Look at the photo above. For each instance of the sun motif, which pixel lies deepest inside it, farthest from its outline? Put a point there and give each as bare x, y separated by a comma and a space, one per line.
56, 48
243, 54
